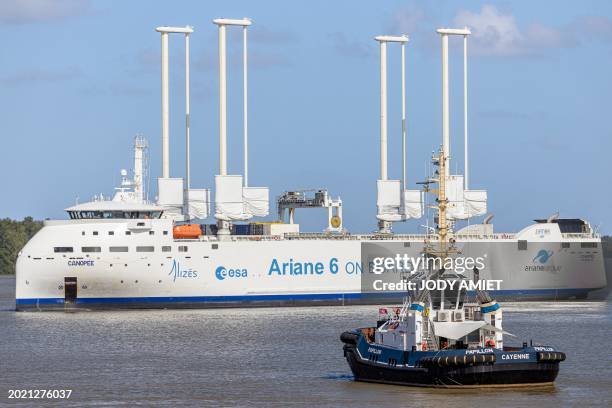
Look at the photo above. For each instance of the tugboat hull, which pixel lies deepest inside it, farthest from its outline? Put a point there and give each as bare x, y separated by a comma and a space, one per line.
424, 369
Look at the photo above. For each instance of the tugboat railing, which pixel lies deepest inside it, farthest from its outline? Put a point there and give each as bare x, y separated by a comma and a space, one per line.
430, 335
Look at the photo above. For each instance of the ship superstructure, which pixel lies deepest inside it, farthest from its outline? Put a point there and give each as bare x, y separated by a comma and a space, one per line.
131, 252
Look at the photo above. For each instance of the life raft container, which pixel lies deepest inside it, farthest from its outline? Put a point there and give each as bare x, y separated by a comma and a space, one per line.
186, 231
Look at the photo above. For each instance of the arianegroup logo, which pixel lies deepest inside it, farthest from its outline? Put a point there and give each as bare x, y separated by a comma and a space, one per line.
543, 256
221, 273
541, 263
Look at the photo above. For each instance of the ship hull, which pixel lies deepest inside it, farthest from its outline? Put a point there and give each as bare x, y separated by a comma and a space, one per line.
508, 375
297, 300
452, 368
256, 271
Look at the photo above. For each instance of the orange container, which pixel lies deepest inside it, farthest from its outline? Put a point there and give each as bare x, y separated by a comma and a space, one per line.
186, 231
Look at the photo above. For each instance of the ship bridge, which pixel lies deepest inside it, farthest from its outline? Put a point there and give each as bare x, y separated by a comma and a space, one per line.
113, 209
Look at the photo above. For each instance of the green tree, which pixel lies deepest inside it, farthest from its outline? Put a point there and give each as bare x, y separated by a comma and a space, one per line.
13, 236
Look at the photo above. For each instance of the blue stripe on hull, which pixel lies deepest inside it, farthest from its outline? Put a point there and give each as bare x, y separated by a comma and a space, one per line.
551, 293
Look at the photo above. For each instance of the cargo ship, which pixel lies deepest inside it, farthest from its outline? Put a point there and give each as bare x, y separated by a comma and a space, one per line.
131, 252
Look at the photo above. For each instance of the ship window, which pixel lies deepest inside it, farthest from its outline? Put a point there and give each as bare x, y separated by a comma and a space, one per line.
91, 249
565, 245
62, 249
128, 233
215, 246
407, 244
145, 249
151, 232
588, 245
111, 232
118, 249
82, 232
522, 245
165, 232
182, 248
166, 248
140, 224
95, 232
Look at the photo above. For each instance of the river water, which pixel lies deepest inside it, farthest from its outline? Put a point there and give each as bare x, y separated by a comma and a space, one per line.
274, 357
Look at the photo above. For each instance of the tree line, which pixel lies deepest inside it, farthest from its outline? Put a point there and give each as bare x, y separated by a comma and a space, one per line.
13, 236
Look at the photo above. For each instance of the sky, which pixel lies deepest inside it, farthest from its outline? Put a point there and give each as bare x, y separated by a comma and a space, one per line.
80, 78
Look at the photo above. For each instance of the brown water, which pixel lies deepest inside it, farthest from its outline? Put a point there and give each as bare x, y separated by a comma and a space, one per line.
268, 357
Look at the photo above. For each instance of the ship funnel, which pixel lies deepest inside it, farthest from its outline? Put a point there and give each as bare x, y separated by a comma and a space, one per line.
553, 217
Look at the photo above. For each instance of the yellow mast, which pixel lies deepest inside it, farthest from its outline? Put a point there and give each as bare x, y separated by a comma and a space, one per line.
444, 233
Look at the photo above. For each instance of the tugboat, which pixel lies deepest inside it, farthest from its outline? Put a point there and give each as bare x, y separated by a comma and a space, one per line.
438, 338
446, 343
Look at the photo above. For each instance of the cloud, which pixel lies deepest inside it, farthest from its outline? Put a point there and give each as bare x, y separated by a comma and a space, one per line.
35, 75
591, 28
30, 11
351, 48
495, 33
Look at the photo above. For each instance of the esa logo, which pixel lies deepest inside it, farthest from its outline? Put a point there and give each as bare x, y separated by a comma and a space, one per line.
221, 273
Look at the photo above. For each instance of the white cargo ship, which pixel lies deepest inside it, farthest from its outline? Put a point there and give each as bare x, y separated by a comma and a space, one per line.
130, 252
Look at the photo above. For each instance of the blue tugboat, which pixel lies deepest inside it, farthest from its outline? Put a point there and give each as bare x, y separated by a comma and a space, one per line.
458, 345
440, 337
